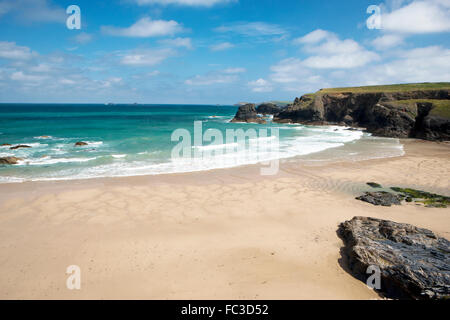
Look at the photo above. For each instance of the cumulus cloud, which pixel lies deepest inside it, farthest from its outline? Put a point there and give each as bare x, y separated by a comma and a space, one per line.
417, 17
145, 28
330, 52
313, 37
145, 57
221, 46
192, 3
260, 85
427, 64
387, 41
9, 50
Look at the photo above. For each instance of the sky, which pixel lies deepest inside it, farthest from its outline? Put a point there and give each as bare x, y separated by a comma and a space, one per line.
216, 51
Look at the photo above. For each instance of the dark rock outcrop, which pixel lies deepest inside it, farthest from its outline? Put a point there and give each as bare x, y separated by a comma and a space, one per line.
19, 147
80, 144
381, 198
9, 160
378, 112
268, 109
414, 262
247, 113
5, 145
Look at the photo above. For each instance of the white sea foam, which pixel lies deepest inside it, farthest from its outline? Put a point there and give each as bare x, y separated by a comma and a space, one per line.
312, 140
49, 160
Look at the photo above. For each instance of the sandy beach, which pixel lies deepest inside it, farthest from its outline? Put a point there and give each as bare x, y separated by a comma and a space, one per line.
222, 234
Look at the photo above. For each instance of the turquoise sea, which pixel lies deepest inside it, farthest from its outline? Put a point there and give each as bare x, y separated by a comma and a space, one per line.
129, 140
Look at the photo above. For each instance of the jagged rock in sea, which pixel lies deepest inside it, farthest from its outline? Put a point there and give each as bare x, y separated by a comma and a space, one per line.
19, 147
268, 109
5, 145
9, 160
80, 144
381, 198
247, 113
423, 114
414, 262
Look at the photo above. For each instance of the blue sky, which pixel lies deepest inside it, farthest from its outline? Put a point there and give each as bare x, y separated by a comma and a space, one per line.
215, 51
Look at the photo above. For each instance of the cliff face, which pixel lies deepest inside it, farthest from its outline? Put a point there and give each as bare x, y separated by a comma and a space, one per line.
268, 109
390, 114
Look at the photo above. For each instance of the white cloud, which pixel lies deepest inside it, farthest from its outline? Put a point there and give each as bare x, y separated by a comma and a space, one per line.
111, 82
66, 82
145, 28
314, 37
293, 76
387, 41
83, 38
261, 85
428, 64
193, 3
221, 46
22, 77
9, 50
41, 68
332, 52
178, 42
29, 11
418, 17
252, 29
146, 57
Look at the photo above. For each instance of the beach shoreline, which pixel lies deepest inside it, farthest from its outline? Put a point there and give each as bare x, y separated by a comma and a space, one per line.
219, 234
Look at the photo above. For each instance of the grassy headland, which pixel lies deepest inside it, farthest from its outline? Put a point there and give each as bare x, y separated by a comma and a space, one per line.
391, 88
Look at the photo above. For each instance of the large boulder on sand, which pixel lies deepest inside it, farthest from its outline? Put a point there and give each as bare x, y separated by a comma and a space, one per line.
9, 160
414, 262
382, 198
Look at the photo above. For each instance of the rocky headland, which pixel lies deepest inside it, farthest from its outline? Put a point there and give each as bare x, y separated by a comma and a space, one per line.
247, 113
268, 108
401, 111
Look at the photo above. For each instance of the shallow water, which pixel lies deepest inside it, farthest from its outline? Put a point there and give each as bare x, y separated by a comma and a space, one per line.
129, 140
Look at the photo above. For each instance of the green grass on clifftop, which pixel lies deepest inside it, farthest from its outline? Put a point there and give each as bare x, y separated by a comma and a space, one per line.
391, 88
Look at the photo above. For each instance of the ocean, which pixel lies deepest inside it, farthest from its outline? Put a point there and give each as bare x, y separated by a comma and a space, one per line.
131, 140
